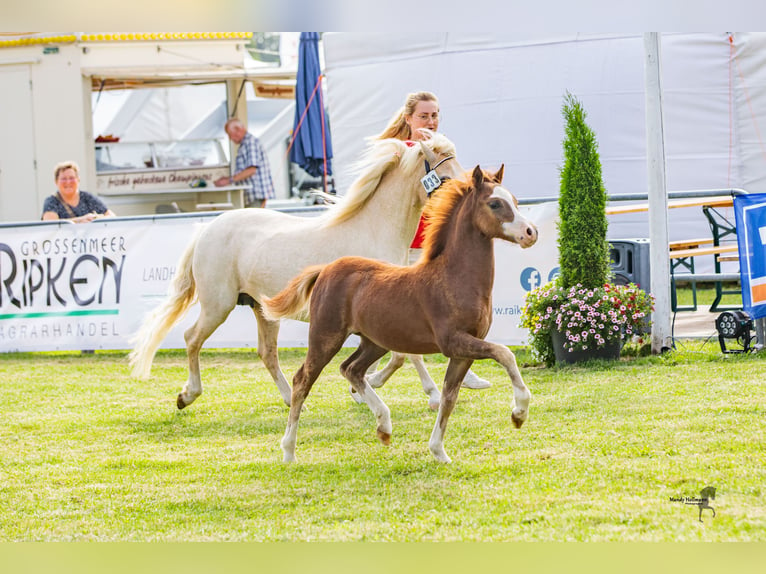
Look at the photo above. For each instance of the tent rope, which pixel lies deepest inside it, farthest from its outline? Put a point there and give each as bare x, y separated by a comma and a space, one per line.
750, 106
300, 123
324, 137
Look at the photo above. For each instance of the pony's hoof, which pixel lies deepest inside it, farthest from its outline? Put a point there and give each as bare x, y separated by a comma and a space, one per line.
384, 437
375, 380
434, 405
441, 457
474, 381
180, 402
518, 420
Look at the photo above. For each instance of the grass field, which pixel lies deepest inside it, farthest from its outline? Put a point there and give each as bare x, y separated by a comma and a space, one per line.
706, 295
91, 454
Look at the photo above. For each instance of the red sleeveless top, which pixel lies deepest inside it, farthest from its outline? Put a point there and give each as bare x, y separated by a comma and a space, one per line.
417, 242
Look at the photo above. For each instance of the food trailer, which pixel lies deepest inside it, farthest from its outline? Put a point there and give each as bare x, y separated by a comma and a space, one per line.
48, 82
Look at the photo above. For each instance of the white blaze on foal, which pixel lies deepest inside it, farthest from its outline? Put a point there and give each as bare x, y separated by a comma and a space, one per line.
517, 230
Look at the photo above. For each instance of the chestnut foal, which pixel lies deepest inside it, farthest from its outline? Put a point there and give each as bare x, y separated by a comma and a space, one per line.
441, 304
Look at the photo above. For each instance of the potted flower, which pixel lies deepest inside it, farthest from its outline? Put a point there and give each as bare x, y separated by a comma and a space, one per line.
580, 314
570, 324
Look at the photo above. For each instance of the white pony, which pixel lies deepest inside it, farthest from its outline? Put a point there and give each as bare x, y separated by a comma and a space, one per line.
246, 254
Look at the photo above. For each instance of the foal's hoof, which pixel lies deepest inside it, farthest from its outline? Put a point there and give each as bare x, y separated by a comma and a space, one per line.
180, 402
384, 437
518, 420
434, 404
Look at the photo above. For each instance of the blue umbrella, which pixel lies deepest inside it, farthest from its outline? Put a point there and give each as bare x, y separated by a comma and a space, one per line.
312, 146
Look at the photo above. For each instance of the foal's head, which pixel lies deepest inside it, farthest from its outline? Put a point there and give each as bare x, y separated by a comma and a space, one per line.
494, 211
497, 214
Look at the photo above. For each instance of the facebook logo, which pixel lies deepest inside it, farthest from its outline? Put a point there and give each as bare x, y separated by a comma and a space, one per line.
530, 278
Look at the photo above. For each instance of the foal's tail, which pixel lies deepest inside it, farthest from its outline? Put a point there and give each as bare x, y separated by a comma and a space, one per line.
156, 326
293, 300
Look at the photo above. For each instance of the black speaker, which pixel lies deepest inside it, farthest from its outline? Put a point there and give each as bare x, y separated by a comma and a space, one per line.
630, 262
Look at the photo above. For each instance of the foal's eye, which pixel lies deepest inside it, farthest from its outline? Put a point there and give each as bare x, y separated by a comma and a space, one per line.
495, 204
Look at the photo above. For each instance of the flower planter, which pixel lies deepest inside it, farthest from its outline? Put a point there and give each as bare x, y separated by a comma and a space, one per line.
611, 350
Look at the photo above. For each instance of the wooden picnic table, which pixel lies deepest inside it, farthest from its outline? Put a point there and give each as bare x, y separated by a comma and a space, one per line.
711, 201
695, 251
682, 253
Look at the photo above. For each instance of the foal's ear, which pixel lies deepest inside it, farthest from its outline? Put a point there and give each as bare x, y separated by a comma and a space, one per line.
499, 174
477, 177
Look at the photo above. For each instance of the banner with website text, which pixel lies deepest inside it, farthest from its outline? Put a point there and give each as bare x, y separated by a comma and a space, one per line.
83, 287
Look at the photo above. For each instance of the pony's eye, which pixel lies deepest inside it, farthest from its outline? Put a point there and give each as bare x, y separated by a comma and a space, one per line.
495, 204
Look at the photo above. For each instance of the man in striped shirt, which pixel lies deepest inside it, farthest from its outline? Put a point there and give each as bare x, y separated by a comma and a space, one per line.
251, 166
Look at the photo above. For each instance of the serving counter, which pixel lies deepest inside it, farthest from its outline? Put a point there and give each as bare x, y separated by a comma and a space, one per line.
144, 178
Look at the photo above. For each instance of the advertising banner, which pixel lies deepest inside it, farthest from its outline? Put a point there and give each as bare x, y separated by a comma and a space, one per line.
87, 287
518, 271
750, 214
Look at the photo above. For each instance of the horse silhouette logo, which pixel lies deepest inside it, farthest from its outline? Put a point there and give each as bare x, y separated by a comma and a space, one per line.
706, 495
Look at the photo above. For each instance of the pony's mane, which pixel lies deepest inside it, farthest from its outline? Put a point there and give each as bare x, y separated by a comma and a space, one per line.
380, 157
440, 210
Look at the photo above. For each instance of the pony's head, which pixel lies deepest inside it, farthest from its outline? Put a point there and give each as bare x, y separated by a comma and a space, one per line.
434, 148
384, 156
495, 211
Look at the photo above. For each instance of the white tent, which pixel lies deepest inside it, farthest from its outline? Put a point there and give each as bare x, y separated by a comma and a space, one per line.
501, 98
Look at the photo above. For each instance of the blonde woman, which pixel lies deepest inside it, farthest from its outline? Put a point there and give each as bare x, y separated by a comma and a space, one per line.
69, 202
421, 112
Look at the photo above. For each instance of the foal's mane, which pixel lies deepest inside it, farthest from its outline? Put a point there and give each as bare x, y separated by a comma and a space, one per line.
440, 210
380, 157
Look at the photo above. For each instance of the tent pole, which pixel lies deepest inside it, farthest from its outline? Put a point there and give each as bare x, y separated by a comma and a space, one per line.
658, 198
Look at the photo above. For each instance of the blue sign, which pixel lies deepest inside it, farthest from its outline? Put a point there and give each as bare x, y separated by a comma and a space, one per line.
531, 278
750, 214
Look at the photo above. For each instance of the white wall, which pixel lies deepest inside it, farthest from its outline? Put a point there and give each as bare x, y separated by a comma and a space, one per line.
61, 96
45, 119
18, 189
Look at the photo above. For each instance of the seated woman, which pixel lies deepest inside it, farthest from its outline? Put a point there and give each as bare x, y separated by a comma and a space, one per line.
71, 203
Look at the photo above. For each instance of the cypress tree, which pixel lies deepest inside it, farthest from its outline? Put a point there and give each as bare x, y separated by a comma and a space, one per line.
583, 248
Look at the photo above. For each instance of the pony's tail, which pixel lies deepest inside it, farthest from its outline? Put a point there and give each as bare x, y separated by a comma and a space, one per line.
293, 300
156, 326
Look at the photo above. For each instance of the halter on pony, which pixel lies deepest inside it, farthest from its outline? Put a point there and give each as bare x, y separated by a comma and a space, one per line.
431, 181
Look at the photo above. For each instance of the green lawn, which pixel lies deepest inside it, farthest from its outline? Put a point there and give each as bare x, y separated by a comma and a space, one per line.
706, 295
91, 454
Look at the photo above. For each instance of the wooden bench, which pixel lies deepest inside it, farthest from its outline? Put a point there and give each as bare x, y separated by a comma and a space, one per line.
689, 243
728, 257
682, 253
700, 251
